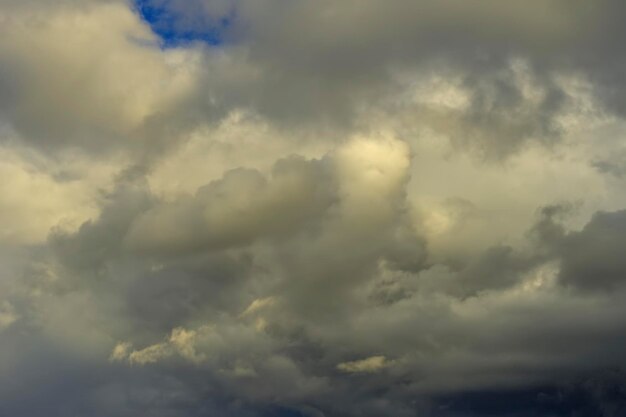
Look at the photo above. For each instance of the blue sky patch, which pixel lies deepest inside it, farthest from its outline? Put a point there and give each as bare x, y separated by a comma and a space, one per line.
176, 29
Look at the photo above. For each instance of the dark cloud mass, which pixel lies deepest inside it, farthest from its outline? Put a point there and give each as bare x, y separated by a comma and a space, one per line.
263, 208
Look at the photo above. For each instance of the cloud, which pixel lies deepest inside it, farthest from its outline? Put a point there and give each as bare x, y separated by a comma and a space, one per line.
181, 342
295, 65
339, 209
240, 207
371, 364
7, 315
592, 257
57, 59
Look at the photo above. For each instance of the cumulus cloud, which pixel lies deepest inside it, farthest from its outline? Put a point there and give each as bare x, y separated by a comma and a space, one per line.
254, 208
86, 75
238, 208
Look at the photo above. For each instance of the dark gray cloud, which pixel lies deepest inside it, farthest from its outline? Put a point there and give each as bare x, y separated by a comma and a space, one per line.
449, 347
320, 63
592, 258
314, 65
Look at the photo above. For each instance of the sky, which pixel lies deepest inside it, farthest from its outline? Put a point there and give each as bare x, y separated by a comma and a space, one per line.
312, 208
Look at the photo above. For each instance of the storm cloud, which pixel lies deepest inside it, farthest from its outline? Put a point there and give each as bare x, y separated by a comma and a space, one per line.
260, 208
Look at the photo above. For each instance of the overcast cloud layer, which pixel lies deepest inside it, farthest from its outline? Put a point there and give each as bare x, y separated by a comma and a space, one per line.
312, 208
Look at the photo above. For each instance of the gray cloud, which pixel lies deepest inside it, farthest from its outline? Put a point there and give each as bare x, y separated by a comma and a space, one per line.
345, 209
320, 63
240, 207
592, 257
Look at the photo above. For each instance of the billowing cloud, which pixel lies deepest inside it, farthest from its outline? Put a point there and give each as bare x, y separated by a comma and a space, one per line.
312, 208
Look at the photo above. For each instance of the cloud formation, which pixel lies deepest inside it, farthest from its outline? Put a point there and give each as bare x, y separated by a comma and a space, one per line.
323, 209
